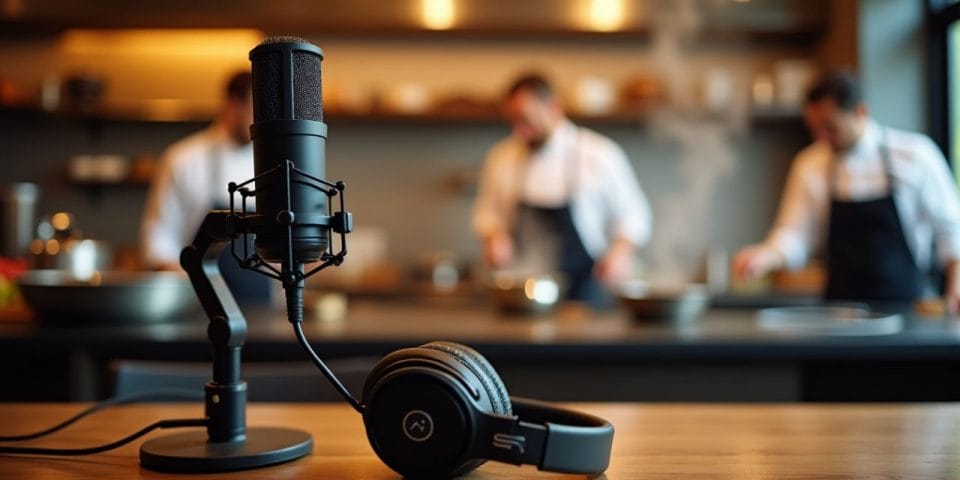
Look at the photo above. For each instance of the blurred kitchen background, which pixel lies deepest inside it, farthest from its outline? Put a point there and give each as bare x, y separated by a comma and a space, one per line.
703, 95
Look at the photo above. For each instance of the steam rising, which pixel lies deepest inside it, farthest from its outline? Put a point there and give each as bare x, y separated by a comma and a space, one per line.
681, 237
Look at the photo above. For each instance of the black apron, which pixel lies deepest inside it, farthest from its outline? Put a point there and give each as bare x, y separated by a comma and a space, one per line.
547, 240
249, 288
868, 257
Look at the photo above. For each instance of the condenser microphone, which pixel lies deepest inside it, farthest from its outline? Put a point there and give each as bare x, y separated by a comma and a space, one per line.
293, 222
292, 225
289, 222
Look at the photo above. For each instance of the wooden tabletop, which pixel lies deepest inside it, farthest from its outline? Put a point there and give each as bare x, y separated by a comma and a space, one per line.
653, 441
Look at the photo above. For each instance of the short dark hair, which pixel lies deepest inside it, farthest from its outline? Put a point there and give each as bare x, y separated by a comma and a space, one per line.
840, 86
534, 83
239, 86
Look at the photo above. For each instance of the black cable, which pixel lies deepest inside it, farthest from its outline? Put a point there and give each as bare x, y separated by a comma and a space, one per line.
157, 394
302, 339
174, 423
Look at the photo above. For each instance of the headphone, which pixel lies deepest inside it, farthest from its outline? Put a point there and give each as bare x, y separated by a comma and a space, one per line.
440, 410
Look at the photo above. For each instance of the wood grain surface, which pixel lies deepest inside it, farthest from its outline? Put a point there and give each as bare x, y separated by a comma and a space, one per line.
653, 441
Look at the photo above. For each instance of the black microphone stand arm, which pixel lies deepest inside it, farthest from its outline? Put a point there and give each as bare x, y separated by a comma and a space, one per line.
225, 394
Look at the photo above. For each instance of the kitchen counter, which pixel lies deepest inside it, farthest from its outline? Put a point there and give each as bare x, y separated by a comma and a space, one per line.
651, 442
723, 356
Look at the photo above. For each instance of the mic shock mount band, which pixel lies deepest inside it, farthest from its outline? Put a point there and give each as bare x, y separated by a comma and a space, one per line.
338, 222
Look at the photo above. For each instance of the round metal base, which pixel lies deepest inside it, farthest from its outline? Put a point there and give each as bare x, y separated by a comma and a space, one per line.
191, 452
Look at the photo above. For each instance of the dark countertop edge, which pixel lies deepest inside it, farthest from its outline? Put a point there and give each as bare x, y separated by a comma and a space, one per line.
794, 349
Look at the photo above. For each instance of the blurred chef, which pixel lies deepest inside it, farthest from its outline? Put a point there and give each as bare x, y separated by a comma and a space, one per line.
192, 180
557, 197
878, 196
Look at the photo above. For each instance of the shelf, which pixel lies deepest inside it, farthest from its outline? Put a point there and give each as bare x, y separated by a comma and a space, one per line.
105, 115
638, 117
774, 115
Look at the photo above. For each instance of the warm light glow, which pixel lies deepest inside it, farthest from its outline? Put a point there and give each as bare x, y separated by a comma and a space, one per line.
179, 42
53, 246
162, 74
541, 291
36, 246
12, 8
439, 14
160, 109
606, 15
60, 221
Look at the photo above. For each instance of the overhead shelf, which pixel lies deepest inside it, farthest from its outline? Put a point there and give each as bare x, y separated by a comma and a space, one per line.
430, 117
756, 116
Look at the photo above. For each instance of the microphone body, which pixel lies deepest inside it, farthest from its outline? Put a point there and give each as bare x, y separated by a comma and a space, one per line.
288, 126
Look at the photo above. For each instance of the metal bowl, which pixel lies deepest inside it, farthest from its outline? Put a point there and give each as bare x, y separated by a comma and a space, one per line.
108, 297
829, 320
672, 304
525, 294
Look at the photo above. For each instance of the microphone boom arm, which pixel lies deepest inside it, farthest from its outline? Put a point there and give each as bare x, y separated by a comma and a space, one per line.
225, 394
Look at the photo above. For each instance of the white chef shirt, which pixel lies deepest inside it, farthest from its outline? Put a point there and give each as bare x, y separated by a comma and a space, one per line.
192, 180
577, 165
924, 192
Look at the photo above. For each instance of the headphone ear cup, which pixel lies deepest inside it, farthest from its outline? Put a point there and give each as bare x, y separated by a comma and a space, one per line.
418, 414
482, 368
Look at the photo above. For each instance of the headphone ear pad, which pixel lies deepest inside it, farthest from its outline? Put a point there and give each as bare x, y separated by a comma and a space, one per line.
418, 383
482, 368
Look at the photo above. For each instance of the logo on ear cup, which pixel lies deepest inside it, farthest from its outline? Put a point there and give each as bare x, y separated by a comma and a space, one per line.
417, 425
510, 442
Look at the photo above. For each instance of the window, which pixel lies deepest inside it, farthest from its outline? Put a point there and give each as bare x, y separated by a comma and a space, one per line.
944, 77
952, 99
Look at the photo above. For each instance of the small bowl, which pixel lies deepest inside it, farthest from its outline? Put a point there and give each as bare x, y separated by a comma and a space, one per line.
671, 304
525, 294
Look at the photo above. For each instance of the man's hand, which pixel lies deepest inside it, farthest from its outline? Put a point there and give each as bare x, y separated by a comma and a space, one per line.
756, 261
498, 250
616, 265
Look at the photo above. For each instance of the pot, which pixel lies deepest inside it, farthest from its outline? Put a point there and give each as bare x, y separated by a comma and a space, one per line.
525, 294
108, 297
664, 303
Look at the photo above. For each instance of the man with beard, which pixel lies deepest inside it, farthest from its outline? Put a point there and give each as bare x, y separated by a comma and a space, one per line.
555, 197
880, 202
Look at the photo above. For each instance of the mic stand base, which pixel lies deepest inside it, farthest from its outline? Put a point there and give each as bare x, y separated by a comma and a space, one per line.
192, 452
226, 444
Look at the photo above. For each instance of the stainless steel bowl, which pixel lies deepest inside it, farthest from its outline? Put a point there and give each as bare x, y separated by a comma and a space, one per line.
108, 297
525, 294
659, 303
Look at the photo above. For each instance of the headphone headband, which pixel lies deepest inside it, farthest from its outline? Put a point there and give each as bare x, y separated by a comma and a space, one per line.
552, 438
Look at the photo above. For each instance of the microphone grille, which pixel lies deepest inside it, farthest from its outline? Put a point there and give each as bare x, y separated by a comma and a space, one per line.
282, 39
286, 80
308, 100
267, 91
